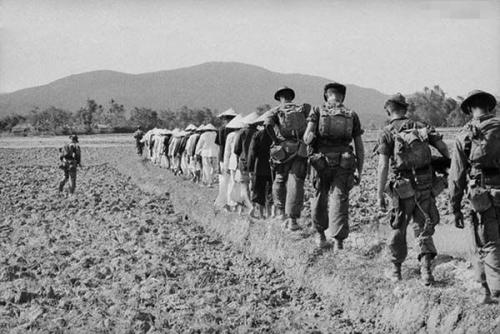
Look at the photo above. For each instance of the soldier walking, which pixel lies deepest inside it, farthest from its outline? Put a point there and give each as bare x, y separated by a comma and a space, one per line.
138, 135
475, 169
331, 130
285, 125
70, 159
404, 144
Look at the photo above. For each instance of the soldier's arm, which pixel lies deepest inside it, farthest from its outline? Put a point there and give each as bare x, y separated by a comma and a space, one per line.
358, 142
360, 153
442, 148
383, 172
457, 180
269, 123
312, 120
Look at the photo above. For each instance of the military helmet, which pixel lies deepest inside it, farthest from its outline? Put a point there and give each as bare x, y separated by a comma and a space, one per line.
74, 138
284, 90
478, 96
336, 86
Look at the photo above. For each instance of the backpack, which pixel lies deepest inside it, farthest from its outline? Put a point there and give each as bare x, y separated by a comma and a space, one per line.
292, 120
485, 144
335, 123
411, 147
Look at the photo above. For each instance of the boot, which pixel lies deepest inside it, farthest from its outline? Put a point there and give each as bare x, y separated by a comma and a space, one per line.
292, 224
321, 241
339, 244
394, 275
426, 270
486, 297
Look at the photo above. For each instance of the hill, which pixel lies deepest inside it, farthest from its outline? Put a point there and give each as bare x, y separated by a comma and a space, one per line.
217, 85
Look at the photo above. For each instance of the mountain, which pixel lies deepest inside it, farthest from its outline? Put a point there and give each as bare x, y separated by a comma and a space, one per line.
216, 85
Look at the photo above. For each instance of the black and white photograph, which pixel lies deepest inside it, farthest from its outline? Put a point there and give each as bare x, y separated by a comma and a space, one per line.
265, 166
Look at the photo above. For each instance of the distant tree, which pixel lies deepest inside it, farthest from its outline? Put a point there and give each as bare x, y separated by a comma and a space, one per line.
51, 119
263, 108
145, 118
114, 116
88, 115
10, 121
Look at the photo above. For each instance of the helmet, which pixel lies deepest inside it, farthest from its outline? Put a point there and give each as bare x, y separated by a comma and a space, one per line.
284, 90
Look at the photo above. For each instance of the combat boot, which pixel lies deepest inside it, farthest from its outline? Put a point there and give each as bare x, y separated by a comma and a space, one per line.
321, 241
426, 270
292, 224
394, 275
339, 244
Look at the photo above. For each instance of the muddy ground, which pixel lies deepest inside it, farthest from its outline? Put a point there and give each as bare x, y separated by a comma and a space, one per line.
117, 257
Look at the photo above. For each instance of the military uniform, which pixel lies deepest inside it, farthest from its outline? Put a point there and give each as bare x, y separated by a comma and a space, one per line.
421, 206
289, 123
475, 169
336, 126
70, 158
138, 135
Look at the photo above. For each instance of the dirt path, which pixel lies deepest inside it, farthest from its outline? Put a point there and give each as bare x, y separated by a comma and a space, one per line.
117, 259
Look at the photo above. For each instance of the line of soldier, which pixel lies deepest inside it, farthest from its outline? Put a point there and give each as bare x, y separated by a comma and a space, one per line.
272, 154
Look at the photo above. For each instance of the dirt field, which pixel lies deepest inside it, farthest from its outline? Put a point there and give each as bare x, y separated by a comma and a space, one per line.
120, 257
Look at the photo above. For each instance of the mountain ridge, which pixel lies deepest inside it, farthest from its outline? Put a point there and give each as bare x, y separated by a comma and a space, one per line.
215, 85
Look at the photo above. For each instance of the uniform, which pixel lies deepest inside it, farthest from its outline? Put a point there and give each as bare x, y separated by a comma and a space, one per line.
258, 163
70, 158
475, 169
335, 163
420, 206
289, 122
138, 143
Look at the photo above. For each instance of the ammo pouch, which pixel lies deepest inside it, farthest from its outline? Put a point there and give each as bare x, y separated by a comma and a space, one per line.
479, 198
495, 197
438, 186
424, 181
319, 162
348, 160
277, 153
403, 188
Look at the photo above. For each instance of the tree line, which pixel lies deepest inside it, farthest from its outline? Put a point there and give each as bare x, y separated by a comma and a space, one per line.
431, 106
94, 118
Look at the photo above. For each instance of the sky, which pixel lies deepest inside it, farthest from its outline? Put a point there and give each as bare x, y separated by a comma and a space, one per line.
392, 46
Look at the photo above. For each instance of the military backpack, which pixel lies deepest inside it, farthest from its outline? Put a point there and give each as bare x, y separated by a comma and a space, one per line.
292, 120
485, 144
411, 147
335, 123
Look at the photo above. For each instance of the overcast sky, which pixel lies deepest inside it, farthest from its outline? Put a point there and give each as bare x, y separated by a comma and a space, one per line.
387, 45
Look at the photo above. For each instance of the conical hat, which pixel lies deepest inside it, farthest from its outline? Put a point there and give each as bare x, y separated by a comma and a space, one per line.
235, 123
263, 117
251, 118
228, 113
210, 127
190, 127
201, 128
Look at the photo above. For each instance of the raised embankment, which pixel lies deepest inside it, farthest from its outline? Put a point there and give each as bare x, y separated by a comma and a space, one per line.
353, 277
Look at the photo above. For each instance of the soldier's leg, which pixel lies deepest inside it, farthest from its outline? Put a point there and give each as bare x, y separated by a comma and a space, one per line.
72, 180
319, 205
488, 237
424, 224
402, 214
64, 179
279, 186
342, 183
295, 188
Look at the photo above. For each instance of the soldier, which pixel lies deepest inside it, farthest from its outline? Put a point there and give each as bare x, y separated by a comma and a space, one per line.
138, 140
70, 159
475, 168
404, 144
288, 154
331, 130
